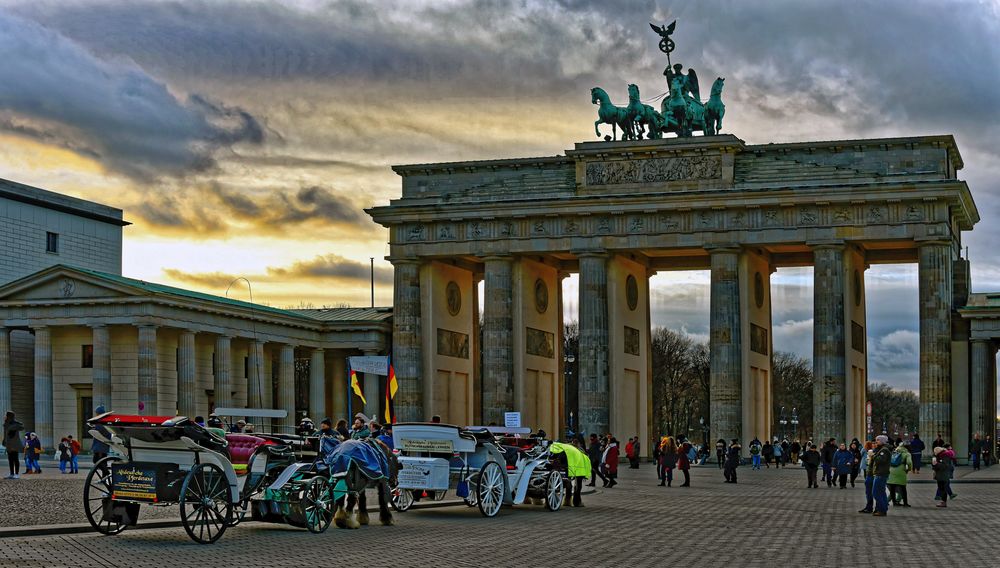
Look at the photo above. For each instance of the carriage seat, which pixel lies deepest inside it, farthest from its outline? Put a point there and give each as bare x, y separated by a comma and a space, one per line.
241, 448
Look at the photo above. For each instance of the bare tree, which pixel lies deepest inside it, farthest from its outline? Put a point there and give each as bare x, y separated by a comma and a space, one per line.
894, 411
792, 387
675, 383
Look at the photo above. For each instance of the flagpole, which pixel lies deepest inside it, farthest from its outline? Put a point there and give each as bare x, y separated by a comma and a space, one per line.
350, 395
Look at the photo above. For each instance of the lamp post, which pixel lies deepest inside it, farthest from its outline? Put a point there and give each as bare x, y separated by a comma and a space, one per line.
568, 360
795, 422
783, 421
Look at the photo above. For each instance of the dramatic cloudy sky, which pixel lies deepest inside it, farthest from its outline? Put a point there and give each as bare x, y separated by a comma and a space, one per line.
243, 138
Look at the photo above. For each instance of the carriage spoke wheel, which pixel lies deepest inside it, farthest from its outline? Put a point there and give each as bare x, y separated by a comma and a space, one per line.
240, 511
205, 507
96, 492
402, 499
489, 489
318, 505
555, 491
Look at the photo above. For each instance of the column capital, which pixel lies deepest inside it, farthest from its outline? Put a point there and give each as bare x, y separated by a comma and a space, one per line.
318, 350
145, 324
932, 241
97, 325
403, 260
497, 257
723, 248
981, 340
590, 253
834, 244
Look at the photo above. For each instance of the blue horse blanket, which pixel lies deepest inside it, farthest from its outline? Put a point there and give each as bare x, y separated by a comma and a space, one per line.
371, 460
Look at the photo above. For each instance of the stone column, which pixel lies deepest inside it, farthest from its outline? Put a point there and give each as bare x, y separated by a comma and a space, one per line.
187, 378
593, 392
371, 390
829, 341
101, 376
147, 371
223, 372
339, 385
498, 341
286, 388
6, 402
43, 386
979, 391
256, 384
317, 385
724, 346
407, 353
935, 276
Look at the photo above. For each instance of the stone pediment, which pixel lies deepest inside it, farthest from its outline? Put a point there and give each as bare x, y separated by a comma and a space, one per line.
63, 283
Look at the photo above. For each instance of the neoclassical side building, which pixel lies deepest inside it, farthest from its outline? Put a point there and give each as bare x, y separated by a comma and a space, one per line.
75, 334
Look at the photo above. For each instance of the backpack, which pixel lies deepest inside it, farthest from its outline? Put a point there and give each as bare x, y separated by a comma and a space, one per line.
897, 459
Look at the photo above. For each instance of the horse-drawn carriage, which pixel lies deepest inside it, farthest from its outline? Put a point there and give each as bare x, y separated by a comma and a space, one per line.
487, 467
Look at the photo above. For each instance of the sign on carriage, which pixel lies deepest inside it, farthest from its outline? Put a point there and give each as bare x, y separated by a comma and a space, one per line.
424, 473
430, 446
512, 419
136, 482
374, 364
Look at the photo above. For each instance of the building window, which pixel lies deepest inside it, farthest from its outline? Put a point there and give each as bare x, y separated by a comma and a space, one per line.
87, 358
52, 242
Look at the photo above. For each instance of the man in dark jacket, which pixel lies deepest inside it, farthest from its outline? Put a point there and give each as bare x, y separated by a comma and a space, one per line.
811, 459
733, 456
878, 470
594, 452
975, 450
720, 452
916, 448
829, 448
12, 443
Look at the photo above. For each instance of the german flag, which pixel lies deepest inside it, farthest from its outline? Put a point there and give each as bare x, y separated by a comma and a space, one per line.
391, 386
356, 386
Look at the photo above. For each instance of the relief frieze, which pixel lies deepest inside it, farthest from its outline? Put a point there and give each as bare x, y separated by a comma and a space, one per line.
654, 170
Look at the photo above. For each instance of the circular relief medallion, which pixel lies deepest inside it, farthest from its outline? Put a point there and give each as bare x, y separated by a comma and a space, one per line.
454, 296
541, 296
857, 288
758, 289
631, 292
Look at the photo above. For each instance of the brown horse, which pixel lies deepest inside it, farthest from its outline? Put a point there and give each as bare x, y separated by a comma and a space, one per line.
357, 481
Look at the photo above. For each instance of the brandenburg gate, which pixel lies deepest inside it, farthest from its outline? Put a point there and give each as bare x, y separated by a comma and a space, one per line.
616, 212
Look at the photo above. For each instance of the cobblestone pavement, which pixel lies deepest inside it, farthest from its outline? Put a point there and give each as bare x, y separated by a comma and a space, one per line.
769, 517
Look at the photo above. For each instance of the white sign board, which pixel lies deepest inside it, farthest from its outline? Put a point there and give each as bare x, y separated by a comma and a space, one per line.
423, 473
374, 364
512, 419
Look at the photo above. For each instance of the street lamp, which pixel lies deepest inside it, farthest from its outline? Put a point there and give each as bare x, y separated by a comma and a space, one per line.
568, 359
783, 421
795, 422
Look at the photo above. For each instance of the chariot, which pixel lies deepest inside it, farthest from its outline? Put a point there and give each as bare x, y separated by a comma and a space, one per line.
487, 467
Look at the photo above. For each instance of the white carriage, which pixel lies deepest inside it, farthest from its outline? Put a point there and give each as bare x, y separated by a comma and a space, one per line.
487, 466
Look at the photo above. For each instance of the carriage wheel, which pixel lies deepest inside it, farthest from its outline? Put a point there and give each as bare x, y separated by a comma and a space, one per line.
240, 511
205, 507
440, 495
318, 504
402, 499
490, 489
555, 491
97, 492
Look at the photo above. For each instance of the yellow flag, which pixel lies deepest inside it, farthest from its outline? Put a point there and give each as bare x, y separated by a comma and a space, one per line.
356, 387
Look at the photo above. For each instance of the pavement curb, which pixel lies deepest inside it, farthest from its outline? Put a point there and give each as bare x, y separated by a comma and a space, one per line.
84, 528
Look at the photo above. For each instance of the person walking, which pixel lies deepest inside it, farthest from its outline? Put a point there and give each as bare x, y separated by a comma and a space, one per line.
720, 452
594, 452
899, 466
64, 455
866, 459
949, 453
668, 460
843, 461
811, 460
733, 455
784, 452
610, 461
684, 452
878, 468
636, 453
12, 443
916, 451
975, 451
940, 465
794, 449
826, 452
778, 454
938, 442
755, 454
987, 450
75, 449
767, 452
855, 449
32, 451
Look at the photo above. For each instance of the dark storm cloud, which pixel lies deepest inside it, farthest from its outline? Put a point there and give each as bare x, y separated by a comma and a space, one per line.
332, 267
55, 91
216, 209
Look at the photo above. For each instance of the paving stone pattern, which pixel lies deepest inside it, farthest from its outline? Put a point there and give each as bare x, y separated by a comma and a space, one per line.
769, 517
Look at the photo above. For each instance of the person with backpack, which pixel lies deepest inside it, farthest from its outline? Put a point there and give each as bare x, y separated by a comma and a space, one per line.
899, 466
32, 451
779, 452
755, 454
